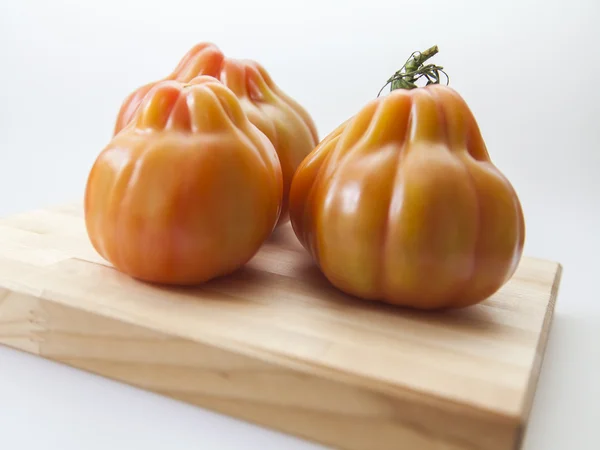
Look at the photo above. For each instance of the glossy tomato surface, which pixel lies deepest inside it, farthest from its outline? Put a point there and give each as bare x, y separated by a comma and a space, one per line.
402, 204
188, 190
283, 120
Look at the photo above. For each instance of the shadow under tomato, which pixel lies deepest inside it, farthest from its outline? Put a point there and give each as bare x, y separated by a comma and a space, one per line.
305, 288
233, 287
470, 319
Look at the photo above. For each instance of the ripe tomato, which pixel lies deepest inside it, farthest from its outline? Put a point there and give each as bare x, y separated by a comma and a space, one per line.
188, 191
402, 204
283, 120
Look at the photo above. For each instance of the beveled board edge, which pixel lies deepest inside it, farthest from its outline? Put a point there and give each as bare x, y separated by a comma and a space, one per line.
539, 357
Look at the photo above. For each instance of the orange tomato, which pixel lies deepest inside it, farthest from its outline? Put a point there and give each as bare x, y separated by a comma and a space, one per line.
188, 191
402, 204
283, 120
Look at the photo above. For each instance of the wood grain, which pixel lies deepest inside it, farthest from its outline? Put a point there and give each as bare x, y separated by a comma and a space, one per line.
276, 345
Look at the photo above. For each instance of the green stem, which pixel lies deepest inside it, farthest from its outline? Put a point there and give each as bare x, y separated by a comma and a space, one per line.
414, 69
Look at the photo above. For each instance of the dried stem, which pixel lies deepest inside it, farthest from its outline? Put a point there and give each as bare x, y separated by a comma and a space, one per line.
414, 69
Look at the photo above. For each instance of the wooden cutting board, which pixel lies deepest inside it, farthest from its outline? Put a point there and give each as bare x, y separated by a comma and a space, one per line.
276, 345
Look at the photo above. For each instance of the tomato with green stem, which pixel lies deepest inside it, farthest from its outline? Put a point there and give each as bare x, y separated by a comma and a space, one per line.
402, 203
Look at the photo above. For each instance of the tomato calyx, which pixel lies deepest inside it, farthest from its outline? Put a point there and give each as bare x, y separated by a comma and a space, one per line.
414, 69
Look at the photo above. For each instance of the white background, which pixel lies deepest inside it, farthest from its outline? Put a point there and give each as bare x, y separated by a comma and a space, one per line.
529, 71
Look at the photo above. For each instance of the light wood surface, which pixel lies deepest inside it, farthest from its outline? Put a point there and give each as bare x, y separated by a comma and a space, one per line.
276, 345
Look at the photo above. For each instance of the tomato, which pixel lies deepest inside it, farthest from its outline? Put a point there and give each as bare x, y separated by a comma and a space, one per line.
401, 204
283, 120
188, 190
